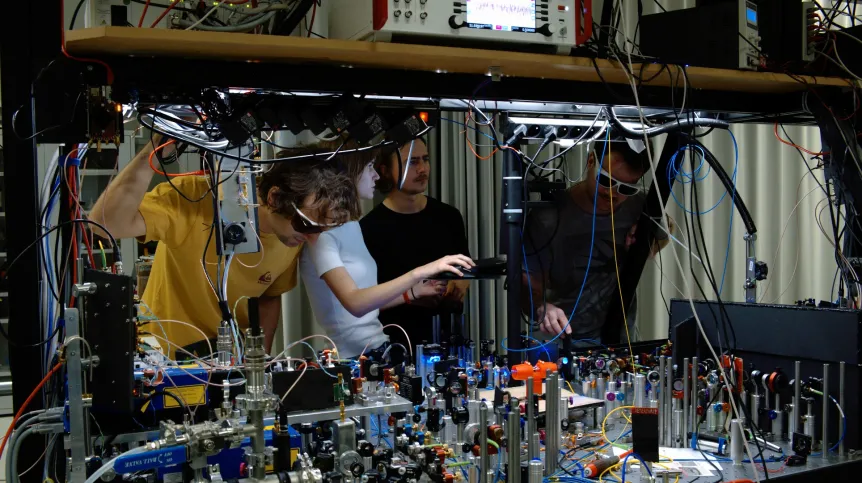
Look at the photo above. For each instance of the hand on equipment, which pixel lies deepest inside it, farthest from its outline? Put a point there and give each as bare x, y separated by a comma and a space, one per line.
428, 288
552, 320
451, 263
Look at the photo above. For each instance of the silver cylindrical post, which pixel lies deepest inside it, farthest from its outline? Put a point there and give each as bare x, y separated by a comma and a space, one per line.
712, 417
678, 428
841, 369
778, 423
736, 442
513, 421
692, 417
662, 413
756, 403
535, 471
532, 450
601, 391
640, 391
448, 430
808, 425
686, 401
797, 399
601, 387
564, 412
474, 471
825, 447
668, 401
552, 424
484, 461
610, 397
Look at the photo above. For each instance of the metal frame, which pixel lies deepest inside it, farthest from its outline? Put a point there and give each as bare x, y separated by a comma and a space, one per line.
29, 40
24, 52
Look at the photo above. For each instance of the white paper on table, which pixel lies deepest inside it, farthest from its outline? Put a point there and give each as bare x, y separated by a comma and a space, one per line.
692, 463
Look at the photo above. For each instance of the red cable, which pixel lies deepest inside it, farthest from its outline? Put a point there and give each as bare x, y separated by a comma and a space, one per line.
79, 215
27, 403
171, 7
313, 14
109, 72
783, 141
144, 14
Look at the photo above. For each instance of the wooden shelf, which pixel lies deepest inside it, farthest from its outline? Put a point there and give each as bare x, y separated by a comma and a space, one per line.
126, 41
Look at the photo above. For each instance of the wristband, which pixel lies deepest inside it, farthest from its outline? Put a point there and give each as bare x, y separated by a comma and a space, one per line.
406, 298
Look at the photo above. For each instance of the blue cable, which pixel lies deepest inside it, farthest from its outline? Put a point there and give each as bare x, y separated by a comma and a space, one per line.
843, 432
49, 267
673, 172
671, 167
670, 175
637, 457
470, 127
589, 261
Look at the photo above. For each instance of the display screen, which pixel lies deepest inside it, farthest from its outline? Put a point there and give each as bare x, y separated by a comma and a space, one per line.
508, 15
751, 15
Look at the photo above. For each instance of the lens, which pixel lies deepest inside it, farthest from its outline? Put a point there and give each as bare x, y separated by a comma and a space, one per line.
626, 190
606, 181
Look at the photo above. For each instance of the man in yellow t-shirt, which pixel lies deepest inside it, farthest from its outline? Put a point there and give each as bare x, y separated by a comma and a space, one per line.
296, 200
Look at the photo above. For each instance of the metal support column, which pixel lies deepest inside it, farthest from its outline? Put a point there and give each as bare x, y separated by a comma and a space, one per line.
513, 216
23, 53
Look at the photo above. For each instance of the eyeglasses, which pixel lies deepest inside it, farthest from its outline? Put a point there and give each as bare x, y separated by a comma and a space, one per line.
307, 226
625, 189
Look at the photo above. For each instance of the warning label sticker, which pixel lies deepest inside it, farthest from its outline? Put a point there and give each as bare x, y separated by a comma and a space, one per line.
190, 395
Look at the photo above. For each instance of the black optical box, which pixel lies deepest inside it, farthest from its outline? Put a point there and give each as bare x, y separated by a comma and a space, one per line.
709, 35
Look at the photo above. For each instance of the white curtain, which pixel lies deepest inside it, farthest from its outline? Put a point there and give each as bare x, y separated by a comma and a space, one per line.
767, 179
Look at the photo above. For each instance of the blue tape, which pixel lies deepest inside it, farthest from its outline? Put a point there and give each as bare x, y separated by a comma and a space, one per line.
67, 161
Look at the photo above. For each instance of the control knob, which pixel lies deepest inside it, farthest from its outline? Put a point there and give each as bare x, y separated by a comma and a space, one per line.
548, 30
456, 22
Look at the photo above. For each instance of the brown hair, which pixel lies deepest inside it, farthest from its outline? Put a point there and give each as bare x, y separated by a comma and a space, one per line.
638, 162
388, 156
328, 182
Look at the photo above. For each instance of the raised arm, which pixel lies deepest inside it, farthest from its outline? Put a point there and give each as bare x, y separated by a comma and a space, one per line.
117, 207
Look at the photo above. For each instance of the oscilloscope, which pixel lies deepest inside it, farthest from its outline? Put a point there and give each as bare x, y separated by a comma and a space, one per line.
546, 25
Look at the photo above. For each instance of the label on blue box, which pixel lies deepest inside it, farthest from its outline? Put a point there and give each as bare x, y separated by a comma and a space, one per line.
150, 459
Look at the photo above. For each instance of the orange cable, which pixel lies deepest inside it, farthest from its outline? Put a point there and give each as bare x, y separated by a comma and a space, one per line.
784, 141
484, 158
171, 175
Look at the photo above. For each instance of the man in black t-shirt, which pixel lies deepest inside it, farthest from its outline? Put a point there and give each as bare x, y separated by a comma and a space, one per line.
409, 229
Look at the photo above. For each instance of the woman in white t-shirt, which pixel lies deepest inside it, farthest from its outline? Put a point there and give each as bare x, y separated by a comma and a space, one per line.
341, 278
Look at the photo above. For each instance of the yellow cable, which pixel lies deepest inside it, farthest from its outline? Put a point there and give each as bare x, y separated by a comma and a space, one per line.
665, 467
602, 476
604, 435
616, 262
570, 387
